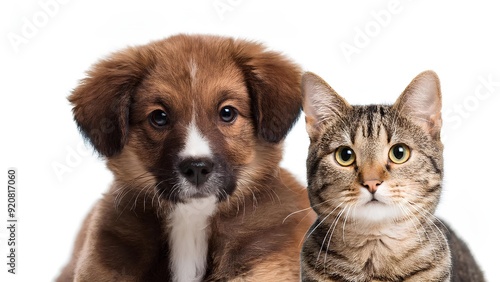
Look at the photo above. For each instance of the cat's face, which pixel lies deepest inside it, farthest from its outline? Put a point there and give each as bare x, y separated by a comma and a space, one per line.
374, 163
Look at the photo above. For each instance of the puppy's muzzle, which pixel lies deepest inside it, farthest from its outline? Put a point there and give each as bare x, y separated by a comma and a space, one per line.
196, 171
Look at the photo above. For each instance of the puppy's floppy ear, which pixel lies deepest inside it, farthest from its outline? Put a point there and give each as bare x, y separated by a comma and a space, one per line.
101, 101
273, 82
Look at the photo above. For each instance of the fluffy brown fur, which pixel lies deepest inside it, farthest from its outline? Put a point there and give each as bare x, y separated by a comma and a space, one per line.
190, 79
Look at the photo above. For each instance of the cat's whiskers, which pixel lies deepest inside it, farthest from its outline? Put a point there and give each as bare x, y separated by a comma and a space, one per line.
430, 218
303, 218
314, 229
408, 216
334, 225
308, 208
321, 222
296, 212
345, 221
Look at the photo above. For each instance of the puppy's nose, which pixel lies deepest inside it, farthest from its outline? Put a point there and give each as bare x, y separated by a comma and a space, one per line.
196, 171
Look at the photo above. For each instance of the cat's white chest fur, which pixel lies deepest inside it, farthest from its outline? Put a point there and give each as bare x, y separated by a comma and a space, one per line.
189, 232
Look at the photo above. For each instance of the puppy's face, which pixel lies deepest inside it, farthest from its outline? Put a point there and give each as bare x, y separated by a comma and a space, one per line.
189, 116
194, 131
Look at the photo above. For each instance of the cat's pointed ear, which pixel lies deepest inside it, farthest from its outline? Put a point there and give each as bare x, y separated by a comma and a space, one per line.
320, 103
421, 101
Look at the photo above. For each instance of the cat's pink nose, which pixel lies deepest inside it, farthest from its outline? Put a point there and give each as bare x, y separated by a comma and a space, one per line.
372, 185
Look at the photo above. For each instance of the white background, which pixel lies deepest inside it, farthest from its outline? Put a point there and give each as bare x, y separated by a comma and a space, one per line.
394, 41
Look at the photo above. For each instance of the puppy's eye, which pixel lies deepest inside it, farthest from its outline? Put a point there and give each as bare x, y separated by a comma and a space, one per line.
228, 114
158, 118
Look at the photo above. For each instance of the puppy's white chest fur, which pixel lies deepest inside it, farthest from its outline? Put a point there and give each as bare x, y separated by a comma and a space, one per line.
189, 232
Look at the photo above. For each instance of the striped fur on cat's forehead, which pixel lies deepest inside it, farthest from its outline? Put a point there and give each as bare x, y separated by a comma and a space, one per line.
369, 127
369, 123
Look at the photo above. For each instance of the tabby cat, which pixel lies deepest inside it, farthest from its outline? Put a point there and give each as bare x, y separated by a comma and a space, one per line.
374, 179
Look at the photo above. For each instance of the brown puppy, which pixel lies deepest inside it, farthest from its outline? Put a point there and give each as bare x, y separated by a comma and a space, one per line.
191, 127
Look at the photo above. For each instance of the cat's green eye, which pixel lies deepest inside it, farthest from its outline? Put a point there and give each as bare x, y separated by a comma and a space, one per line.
345, 156
399, 153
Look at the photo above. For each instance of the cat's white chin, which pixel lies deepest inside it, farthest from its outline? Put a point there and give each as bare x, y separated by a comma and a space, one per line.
375, 208
375, 211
